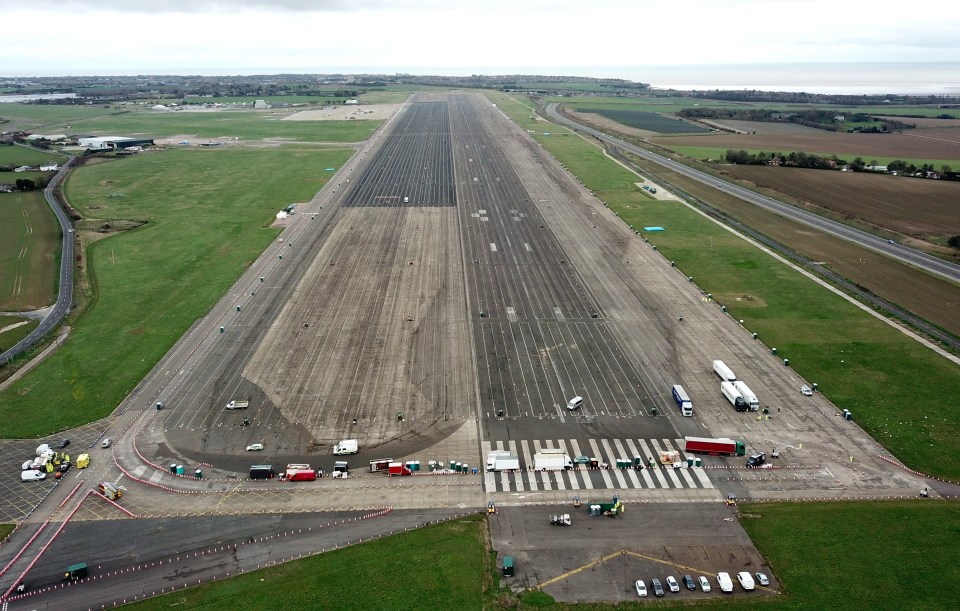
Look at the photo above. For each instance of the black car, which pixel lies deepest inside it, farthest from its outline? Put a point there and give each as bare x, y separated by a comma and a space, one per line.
64, 443
757, 459
688, 581
657, 588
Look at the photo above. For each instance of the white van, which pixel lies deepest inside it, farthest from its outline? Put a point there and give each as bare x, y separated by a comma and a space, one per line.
346, 446
574, 403
725, 583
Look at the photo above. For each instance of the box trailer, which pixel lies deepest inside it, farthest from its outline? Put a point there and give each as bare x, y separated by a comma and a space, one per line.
733, 396
503, 462
748, 396
300, 473
380, 465
551, 459
720, 446
682, 400
262, 472
726, 374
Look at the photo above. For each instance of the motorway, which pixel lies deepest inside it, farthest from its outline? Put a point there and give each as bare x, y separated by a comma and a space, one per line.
928, 263
65, 295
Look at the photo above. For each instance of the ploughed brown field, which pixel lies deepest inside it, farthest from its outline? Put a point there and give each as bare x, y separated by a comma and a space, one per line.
933, 143
917, 207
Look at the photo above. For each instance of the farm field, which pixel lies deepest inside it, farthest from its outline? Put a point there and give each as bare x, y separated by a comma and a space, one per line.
650, 121
39, 118
247, 125
702, 153
859, 362
208, 214
22, 155
924, 209
13, 329
944, 145
766, 127
29, 251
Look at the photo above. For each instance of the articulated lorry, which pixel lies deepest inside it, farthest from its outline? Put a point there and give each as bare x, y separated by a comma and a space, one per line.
748, 395
720, 446
726, 374
551, 459
684, 404
501, 460
733, 396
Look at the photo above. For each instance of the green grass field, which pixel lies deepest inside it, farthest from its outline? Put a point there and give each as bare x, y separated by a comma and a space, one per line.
860, 363
435, 567
651, 121
719, 153
22, 155
247, 125
29, 247
9, 337
49, 118
208, 214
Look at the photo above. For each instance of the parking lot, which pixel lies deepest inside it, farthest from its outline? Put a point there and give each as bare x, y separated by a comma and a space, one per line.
599, 558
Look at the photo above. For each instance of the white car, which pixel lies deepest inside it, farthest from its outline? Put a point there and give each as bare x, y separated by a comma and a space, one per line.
704, 583
724, 581
806, 390
672, 584
746, 580
641, 588
254, 447
32, 476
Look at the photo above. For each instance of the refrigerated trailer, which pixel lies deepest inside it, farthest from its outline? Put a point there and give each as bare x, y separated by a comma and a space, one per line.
726, 374
733, 396
748, 396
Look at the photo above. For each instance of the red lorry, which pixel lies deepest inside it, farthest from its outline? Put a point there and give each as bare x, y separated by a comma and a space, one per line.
714, 447
300, 473
398, 468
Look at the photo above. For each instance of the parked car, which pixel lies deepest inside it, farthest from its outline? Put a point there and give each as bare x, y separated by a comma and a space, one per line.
757, 459
65, 466
63, 443
806, 390
657, 588
672, 584
762, 579
704, 583
581, 460
688, 582
746, 580
106, 443
32, 476
724, 581
254, 447
641, 588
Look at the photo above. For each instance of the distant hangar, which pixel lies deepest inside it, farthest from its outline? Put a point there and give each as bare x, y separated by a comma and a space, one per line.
103, 143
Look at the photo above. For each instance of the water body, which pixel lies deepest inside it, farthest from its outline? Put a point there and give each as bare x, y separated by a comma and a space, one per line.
35, 96
942, 78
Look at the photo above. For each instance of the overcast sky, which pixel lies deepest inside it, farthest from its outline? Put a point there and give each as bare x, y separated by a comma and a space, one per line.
573, 37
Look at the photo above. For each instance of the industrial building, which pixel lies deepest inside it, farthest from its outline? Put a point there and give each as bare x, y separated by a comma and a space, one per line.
104, 143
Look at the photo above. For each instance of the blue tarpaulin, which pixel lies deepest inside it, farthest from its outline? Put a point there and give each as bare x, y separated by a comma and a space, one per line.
653, 229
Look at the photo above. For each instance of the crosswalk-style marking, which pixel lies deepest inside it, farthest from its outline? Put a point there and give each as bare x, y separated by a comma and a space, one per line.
581, 478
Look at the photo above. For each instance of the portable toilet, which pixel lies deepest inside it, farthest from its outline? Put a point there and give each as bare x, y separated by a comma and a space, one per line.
508, 566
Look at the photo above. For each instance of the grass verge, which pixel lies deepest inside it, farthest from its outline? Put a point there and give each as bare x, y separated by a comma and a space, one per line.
29, 252
860, 363
435, 567
10, 336
208, 216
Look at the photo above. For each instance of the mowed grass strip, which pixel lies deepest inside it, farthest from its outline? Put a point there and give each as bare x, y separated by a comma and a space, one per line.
435, 567
243, 124
12, 331
902, 393
29, 251
208, 214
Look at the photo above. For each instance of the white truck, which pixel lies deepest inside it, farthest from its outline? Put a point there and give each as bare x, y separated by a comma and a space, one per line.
748, 396
551, 459
501, 460
726, 374
346, 446
733, 396
238, 404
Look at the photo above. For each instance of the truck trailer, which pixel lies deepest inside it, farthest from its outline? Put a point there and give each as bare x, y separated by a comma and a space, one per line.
684, 404
726, 374
551, 459
720, 446
748, 396
300, 473
261, 472
733, 396
502, 461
